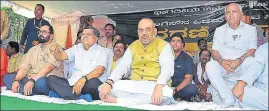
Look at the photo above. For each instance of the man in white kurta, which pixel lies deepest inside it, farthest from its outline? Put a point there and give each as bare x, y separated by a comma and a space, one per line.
201, 79
234, 45
142, 88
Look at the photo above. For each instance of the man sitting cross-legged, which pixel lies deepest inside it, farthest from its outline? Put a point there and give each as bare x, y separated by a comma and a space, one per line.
151, 61
90, 63
182, 78
37, 63
201, 79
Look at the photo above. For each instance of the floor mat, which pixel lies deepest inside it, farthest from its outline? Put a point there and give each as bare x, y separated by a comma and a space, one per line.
44, 102
12, 103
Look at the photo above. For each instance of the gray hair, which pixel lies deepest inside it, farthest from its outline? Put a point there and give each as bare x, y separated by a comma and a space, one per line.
96, 32
239, 6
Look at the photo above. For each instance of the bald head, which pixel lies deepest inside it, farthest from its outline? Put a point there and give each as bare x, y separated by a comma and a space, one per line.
234, 5
146, 21
233, 14
146, 31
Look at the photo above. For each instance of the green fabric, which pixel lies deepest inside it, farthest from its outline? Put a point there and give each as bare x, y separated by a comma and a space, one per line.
11, 103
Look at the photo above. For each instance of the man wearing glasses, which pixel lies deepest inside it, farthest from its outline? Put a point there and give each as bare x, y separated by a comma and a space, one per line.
35, 66
87, 75
151, 61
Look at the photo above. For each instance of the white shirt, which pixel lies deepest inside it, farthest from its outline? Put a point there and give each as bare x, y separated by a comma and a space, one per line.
261, 55
199, 73
166, 61
231, 43
86, 61
199, 76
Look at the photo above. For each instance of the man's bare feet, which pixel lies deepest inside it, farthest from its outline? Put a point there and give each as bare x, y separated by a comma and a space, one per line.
110, 99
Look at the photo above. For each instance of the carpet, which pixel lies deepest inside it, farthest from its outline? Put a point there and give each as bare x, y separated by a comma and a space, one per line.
12, 103
15, 101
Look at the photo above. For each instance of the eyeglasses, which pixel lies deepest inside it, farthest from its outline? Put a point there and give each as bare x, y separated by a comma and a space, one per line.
142, 30
42, 32
86, 34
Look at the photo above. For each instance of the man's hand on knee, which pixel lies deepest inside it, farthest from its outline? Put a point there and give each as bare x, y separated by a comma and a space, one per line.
28, 88
104, 91
15, 88
238, 89
157, 95
78, 86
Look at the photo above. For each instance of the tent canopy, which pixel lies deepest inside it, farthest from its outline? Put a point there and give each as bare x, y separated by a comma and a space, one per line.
55, 9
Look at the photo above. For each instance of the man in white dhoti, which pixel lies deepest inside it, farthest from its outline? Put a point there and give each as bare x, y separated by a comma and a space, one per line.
151, 60
201, 79
234, 45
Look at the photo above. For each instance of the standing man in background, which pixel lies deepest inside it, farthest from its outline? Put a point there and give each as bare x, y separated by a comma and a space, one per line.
107, 41
202, 45
31, 28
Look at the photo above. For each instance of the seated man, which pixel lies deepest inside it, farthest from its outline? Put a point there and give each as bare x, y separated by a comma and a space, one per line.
90, 63
15, 58
258, 73
201, 79
68, 65
202, 44
151, 62
183, 68
35, 66
115, 57
232, 51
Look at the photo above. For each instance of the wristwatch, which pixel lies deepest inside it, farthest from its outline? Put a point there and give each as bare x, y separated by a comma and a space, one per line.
32, 80
16, 80
85, 77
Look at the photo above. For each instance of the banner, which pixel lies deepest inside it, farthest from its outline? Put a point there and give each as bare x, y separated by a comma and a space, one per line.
193, 23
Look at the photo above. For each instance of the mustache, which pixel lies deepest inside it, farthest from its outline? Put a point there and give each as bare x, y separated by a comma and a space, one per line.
117, 50
107, 33
204, 58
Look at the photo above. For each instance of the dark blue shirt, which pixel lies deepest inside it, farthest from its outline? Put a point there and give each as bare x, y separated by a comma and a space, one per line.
29, 33
183, 66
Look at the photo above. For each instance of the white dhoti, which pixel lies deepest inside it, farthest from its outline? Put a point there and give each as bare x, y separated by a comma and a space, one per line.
223, 84
130, 92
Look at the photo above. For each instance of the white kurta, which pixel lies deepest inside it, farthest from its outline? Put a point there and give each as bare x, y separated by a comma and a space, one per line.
199, 75
232, 44
139, 92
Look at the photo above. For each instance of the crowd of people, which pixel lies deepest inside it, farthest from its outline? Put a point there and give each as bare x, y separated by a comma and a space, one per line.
148, 71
